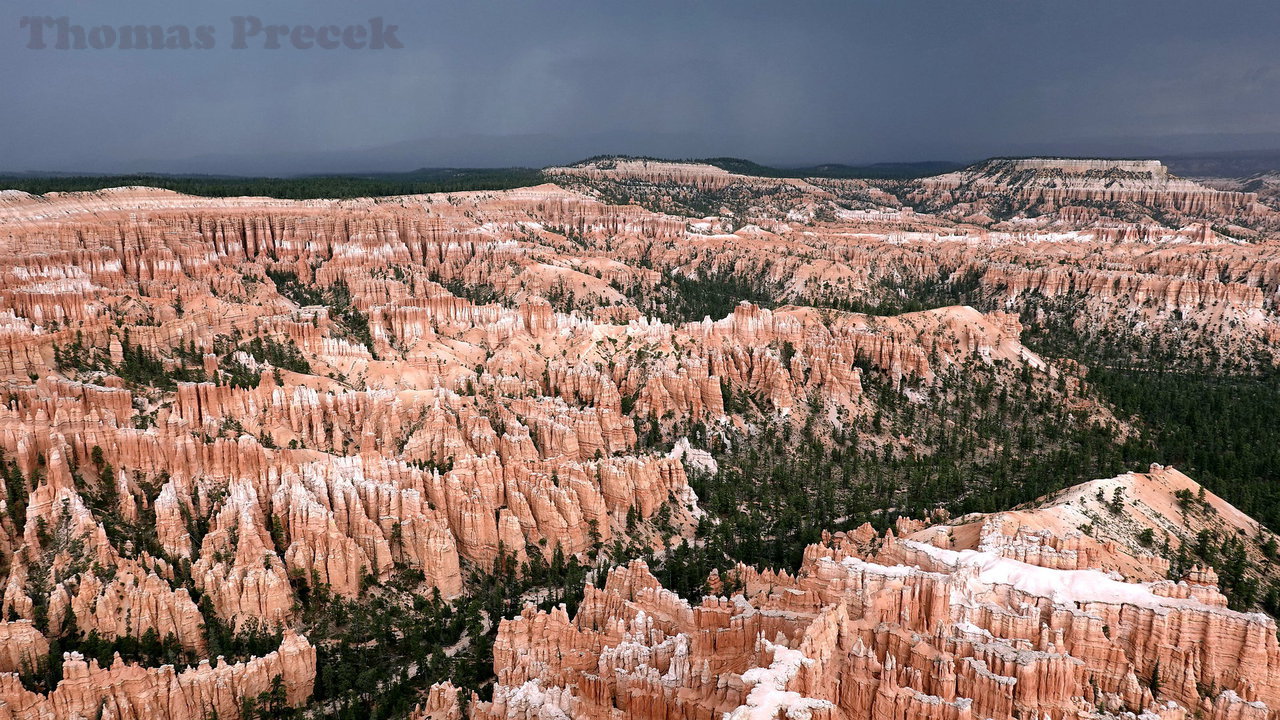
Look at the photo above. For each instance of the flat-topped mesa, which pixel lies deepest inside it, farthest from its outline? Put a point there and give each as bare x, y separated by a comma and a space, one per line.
698, 175
910, 629
1066, 172
1050, 184
1079, 166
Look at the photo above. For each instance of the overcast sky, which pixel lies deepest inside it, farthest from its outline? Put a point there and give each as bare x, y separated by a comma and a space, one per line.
533, 82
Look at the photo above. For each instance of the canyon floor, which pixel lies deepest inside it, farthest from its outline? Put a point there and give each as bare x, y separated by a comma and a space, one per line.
646, 439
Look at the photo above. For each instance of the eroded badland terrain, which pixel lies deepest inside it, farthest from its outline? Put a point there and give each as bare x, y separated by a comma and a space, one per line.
648, 440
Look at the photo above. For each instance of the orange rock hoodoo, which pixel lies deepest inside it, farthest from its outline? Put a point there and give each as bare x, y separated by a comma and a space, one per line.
911, 631
130, 692
471, 372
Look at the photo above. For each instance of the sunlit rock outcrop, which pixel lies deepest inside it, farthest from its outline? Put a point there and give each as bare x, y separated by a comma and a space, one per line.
1022, 625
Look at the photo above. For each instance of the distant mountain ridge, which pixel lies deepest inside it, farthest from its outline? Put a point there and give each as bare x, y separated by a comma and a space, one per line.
742, 166
874, 171
1233, 165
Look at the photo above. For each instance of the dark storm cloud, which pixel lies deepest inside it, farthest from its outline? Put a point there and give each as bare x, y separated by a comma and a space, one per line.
486, 82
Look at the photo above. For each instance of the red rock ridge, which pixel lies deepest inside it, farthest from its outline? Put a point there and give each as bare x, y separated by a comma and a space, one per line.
909, 630
130, 692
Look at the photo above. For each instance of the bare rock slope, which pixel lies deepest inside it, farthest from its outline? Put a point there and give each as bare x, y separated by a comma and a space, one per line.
1017, 619
213, 411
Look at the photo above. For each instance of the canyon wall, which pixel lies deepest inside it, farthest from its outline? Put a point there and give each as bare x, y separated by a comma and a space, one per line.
1022, 625
212, 408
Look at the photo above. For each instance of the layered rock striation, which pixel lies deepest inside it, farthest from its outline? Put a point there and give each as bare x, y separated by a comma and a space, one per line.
1023, 625
211, 408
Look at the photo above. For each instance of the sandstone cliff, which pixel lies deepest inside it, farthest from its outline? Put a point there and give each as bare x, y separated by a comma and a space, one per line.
1049, 185
212, 407
1022, 625
135, 693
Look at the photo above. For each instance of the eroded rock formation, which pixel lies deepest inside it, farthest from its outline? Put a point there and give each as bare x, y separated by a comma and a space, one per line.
135, 693
211, 407
1024, 624
1052, 184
